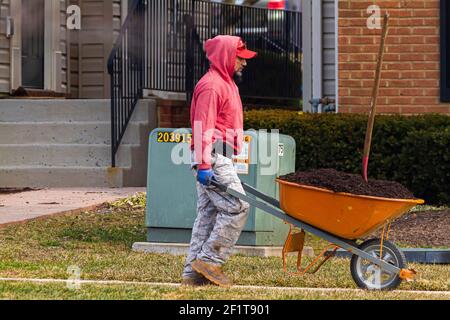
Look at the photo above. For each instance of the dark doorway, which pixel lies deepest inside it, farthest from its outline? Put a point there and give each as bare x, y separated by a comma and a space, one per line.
33, 43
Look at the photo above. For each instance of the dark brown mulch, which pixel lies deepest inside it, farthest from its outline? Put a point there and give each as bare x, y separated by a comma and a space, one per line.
15, 190
422, 229
349, 183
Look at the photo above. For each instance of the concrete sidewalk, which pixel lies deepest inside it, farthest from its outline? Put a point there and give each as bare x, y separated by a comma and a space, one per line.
19, 207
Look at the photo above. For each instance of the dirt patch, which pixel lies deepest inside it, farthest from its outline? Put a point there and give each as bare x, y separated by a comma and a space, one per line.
422, 229
16, 190
349, 183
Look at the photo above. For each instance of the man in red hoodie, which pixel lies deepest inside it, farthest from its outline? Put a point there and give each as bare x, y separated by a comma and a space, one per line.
217, 127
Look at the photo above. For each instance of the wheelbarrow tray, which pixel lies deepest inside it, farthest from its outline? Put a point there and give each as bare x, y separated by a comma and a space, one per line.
345, 215
317, 227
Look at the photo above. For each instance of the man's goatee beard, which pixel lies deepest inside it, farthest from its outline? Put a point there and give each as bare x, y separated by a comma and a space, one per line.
238, 78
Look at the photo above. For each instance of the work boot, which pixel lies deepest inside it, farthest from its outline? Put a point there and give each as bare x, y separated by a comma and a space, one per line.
196, 282
212, 272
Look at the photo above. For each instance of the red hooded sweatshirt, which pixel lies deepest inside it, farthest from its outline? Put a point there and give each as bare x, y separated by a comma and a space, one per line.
216, 109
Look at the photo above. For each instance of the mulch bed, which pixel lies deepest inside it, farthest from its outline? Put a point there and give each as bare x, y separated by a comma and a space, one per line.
349, 183
415, 229
422, 229
15, 190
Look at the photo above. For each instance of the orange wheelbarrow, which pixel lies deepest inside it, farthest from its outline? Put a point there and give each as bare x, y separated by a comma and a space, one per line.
341, 219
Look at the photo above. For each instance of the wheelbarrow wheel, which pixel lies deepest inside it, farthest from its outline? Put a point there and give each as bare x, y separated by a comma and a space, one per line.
368, 275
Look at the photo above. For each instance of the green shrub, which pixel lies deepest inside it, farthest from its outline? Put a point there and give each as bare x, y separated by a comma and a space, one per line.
413, 150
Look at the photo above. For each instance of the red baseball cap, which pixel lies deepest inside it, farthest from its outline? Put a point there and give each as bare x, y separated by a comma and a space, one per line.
243, 52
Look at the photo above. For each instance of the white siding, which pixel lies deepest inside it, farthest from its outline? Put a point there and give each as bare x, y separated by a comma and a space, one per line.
117, 19
329, 50
90, 47
63, 45
312, 45
5, 54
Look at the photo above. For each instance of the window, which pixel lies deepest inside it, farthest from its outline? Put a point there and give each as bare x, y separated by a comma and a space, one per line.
445, 51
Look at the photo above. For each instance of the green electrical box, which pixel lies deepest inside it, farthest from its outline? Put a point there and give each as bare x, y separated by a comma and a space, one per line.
172, 195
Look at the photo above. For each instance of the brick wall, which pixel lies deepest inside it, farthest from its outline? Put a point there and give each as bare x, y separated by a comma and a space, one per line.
173, 114
411, 71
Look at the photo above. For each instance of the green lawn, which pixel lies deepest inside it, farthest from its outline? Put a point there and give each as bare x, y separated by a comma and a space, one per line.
99, 243
13, 290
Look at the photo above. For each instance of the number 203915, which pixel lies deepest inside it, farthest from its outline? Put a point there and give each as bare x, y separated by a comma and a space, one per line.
173, 137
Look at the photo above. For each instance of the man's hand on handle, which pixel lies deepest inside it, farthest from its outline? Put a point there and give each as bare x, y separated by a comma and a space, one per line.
205, 176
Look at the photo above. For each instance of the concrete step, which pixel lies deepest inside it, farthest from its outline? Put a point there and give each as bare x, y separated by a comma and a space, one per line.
64, 155
66, 143
59, 177
78, 132
22, 110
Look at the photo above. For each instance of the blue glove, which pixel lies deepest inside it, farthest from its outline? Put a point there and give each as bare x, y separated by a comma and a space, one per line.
205, 176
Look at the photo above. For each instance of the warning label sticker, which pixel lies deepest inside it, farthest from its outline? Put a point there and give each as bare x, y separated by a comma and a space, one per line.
281, 150
242, 161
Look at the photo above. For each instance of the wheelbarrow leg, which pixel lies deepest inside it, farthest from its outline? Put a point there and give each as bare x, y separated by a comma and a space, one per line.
330, 255
294, 243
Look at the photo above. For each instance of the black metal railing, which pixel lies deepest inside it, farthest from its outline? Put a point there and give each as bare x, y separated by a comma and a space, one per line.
274, 77
160, 48
196, 61
126, 69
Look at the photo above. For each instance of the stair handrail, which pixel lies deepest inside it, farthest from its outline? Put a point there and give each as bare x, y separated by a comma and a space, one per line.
123, 28
126, 69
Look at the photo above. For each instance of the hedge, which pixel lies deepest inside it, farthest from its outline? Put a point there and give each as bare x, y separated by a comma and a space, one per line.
412, 150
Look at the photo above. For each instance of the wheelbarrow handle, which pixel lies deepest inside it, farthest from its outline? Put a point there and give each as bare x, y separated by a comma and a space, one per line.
218, 185
249, 189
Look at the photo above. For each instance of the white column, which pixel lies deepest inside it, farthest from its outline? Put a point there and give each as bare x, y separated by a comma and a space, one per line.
317, 50
312, 52
52, 51
336, 28
307, 53
16, 45
123, 10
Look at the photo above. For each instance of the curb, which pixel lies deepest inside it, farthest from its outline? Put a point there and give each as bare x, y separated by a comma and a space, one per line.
54, 214
423, 256
177, 285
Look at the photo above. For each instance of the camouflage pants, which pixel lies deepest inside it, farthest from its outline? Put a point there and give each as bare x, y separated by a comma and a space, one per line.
220, 218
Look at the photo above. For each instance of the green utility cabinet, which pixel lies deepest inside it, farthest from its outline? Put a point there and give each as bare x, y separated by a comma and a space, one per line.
171, 186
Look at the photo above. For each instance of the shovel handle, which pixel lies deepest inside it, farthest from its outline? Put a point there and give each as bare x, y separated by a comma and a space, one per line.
373, 103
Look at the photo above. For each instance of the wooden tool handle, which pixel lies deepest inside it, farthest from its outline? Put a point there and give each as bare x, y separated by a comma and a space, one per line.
373, 103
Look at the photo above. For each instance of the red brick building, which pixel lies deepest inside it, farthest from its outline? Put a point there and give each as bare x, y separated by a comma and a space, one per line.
411, 77
340, 54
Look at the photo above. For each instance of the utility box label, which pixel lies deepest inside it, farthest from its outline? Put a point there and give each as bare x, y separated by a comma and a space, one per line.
242, 161
173, 137
281, 150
